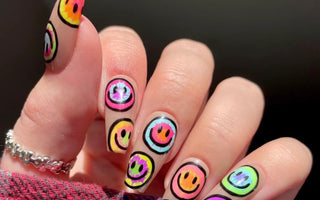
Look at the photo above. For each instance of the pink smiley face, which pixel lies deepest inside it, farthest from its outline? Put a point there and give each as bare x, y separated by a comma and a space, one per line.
119, 95
160, 134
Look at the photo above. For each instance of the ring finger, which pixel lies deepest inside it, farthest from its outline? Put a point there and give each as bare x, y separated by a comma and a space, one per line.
219, 138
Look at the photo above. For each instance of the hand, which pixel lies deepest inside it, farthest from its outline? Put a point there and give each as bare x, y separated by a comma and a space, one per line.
72, 112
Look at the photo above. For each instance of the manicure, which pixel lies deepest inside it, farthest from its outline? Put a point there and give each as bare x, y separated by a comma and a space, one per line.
61, 33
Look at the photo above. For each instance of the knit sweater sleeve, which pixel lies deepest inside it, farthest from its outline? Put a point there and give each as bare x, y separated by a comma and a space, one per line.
20, 186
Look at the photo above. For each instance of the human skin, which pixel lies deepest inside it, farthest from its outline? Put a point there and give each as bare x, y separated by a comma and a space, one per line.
67, 112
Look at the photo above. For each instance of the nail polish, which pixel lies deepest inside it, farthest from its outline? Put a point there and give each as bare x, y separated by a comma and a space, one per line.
61, 33
188, 180
119, 95
241, 181
119, 135
160, 134
140, 170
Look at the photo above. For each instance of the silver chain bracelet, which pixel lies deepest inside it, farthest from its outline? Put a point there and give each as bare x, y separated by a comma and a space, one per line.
42, 163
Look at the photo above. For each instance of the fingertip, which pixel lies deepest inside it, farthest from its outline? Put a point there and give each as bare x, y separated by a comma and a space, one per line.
195, 48
300, 155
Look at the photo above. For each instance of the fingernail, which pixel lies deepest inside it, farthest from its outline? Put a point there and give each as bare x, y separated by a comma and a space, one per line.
241, 182
61, 33
188, 180
120, 112
159, 135
140, 170
158, 138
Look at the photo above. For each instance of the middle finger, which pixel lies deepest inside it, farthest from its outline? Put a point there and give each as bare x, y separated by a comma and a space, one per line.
172, 100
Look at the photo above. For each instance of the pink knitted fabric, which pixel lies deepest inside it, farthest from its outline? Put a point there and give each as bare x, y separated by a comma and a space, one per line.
20, 186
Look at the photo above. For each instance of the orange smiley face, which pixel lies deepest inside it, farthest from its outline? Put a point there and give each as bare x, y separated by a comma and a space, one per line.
70, 11
188, 181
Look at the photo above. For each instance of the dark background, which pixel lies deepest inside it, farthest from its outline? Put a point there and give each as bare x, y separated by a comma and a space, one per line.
273, 43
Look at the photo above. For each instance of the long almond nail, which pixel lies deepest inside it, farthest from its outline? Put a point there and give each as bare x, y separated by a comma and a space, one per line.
61, 33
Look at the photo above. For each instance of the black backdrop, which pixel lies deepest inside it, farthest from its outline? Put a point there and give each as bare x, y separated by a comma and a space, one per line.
273, 43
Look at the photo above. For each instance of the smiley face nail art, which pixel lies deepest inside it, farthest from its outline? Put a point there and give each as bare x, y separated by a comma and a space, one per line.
119, 95
188, 181
119, 135
217, 197
241, 182
160, 134
70, 11
140, 170
50, 43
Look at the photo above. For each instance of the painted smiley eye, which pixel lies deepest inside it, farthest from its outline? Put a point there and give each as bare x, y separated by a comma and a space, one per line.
133, 165
140, 168
194, 180
115, 89
123, 133
186, 175
75, 8
167, 133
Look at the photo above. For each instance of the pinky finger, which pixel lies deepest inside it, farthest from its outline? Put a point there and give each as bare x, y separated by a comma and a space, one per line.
277, 170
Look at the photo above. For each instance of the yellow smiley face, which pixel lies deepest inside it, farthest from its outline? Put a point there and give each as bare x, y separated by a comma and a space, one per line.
119, 135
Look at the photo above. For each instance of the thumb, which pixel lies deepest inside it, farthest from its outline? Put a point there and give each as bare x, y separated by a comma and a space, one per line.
59, 109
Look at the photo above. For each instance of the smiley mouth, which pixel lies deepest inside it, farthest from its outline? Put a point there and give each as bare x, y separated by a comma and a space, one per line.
186, 191
117, 142
241, 179
137, 178
157, 143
